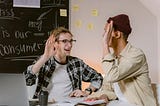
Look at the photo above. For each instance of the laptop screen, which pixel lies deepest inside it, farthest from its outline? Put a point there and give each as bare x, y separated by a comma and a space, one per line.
13, 90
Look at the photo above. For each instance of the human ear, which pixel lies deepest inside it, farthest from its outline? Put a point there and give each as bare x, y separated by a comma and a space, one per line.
117, 34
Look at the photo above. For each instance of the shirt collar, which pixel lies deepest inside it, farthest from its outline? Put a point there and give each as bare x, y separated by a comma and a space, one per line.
125, 50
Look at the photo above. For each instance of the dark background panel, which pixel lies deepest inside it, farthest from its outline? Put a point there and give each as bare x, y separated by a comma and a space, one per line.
23, 32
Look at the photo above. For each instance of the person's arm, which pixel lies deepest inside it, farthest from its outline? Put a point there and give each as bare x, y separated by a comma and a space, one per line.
41, 61
85, 93
106, 92
49, 52
88, 75
30, 75
32, 70
107, 38
92, 76
126, 67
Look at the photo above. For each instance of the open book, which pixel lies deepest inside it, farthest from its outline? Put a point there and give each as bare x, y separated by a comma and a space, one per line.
71, 101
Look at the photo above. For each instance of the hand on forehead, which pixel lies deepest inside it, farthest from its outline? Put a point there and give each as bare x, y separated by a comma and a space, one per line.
108, 25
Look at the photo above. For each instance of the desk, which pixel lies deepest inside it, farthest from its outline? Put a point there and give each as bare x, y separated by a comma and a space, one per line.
68, 101
35, 103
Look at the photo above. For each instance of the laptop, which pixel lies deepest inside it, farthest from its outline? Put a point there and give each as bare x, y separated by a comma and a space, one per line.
13, 90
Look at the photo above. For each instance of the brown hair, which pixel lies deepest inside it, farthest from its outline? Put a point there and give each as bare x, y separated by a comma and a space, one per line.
57, 31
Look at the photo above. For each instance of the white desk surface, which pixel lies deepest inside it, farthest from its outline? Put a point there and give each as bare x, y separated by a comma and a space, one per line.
64, 102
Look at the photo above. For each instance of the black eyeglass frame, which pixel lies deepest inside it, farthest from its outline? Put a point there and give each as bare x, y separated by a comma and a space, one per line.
66, 41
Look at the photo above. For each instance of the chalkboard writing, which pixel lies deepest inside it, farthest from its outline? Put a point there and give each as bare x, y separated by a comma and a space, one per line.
53, 3
23, 32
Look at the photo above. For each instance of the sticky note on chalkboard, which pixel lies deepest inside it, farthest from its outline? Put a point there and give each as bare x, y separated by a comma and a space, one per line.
94, 12
63, 12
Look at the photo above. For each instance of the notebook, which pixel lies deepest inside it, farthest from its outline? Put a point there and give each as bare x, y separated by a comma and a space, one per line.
13, 90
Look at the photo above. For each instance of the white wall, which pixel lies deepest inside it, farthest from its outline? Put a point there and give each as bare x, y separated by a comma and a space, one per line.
88, 47
158, 48
153, 6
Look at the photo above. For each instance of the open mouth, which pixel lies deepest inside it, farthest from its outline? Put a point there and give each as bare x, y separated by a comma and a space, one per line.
68, 50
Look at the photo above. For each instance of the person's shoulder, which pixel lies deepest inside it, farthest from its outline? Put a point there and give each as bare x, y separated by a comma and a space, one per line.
136, 51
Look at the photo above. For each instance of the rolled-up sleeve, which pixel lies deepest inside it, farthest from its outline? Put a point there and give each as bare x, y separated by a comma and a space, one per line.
29, 76
91, 75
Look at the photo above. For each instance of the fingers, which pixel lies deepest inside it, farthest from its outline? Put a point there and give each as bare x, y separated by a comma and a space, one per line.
77, 93
109, 33
49, 44
71, 94
50, 48
111, 27
91, 99
108, 29
50, 40
104, 97
111, 24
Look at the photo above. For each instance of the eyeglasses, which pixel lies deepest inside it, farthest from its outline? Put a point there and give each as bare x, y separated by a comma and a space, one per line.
66, 41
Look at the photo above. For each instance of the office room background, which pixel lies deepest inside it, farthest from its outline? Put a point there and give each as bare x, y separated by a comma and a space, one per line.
88, 17
87, 20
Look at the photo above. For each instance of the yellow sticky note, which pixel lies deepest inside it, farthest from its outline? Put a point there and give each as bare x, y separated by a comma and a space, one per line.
94, 12
90, 26
78, 23
63, 12
75, 8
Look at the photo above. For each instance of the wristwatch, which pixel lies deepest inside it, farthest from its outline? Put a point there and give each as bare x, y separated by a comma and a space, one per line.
88, 90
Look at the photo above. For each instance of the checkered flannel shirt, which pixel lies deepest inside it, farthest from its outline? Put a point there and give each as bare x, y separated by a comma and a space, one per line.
77, 70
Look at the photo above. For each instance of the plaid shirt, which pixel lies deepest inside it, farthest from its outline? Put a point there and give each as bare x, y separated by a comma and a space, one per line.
77, 70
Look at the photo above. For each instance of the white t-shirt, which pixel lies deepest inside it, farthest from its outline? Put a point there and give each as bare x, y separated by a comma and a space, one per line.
60, 85
119, 93
122, 100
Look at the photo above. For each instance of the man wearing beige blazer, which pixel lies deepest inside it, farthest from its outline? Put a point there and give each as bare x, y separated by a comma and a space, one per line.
126, 80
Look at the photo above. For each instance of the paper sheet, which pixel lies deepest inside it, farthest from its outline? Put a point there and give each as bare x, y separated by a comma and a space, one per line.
93, 102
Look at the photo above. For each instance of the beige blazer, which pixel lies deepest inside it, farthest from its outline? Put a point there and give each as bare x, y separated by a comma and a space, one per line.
130, 70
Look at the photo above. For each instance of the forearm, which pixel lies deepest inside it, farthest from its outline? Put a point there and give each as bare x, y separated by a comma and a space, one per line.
90, 89
95, 85
106, 50
93, 88
36, 67
109, 95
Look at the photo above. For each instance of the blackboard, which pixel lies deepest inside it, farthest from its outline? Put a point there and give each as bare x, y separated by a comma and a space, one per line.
23, 31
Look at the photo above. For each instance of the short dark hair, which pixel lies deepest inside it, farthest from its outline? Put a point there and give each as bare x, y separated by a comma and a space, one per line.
121, 23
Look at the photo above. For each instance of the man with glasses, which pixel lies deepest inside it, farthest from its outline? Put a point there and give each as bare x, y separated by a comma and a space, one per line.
58, 72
